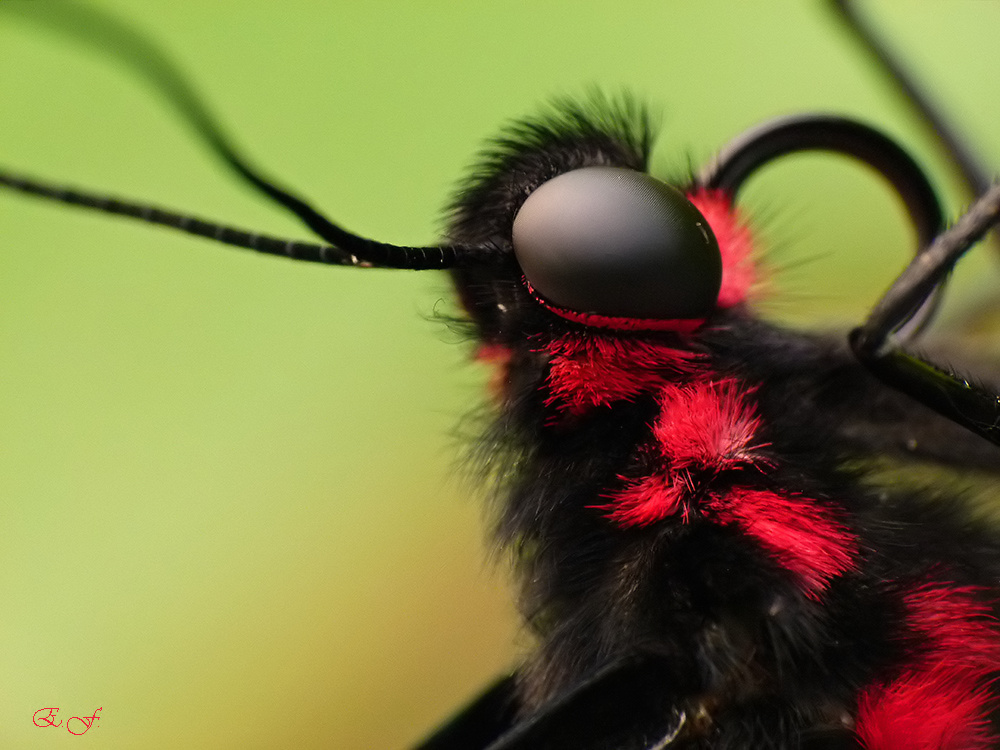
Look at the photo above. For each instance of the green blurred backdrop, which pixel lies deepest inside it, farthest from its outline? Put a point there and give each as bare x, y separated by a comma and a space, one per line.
228, 505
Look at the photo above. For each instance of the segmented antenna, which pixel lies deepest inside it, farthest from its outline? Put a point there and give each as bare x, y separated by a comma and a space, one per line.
345, 249
376, 255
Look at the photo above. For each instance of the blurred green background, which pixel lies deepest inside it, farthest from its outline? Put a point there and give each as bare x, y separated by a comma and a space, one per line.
229, 508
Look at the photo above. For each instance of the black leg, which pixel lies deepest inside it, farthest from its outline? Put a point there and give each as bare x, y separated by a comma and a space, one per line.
971, 405
627, 706
481, 722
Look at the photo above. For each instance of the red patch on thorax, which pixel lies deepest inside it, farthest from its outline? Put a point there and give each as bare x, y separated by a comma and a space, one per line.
588, 370
650, 499
807, 539
703, 429
707, 424
941, 700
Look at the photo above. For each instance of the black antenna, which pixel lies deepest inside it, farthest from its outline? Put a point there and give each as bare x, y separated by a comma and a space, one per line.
973, 172
109, 34
377, 255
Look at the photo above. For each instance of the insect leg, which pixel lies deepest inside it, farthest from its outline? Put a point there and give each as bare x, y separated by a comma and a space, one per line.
969, 404
479, 724
622, 702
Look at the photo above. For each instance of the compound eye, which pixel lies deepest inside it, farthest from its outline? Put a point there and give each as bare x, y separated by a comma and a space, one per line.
615, 242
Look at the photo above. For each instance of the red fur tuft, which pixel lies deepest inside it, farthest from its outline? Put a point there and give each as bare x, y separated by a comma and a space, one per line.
940, 708
942, 701
588, 370
735, 243
707, 425
648, 500
955, 623
805, 538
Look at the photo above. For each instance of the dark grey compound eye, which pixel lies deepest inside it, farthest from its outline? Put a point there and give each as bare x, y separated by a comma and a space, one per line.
615, 242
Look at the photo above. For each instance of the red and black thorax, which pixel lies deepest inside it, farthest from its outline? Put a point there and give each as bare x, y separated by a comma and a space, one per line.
681, 488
